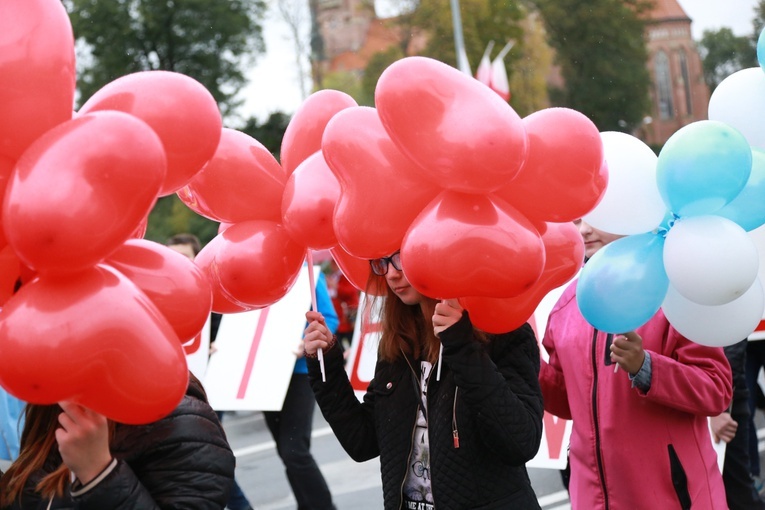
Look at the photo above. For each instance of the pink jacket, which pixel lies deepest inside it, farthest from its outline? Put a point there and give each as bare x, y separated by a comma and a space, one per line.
626, 445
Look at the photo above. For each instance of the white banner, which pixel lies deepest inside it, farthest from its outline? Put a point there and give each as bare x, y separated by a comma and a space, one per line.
254, 353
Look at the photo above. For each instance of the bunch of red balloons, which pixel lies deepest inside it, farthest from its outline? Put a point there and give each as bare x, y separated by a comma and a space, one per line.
271, 214
478, 200
101, 316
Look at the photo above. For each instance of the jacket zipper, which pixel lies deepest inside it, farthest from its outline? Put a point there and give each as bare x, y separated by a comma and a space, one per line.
455, 432
598, 454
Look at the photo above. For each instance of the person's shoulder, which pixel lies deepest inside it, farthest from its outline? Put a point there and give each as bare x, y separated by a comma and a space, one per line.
566, 298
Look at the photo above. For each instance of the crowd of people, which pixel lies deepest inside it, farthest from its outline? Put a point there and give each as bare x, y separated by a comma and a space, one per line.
453, 413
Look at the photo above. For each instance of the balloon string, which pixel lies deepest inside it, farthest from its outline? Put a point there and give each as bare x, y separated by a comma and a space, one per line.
440, 362
312, 283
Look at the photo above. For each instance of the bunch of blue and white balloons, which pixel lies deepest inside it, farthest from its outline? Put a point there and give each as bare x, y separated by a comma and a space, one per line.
693, 223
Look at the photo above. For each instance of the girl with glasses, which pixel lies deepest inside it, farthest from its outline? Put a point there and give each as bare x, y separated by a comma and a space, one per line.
450, 437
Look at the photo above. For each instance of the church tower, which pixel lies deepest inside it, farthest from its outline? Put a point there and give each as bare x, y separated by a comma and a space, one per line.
679, 94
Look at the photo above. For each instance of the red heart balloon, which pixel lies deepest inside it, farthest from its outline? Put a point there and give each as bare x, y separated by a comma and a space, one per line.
37, 72
308, 204
382, 191
81, 190
95, 338
306, 128
178, 108
563, 177
243, 181
222, 302
460, 131
564, 254
176, 286
471, 245
257, 262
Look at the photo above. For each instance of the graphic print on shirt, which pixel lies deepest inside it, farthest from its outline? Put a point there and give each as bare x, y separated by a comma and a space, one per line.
417, 487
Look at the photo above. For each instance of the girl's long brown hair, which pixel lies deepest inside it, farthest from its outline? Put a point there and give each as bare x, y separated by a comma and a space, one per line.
37, 441
406, 329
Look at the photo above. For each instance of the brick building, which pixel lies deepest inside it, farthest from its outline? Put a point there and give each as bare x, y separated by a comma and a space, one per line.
679, 94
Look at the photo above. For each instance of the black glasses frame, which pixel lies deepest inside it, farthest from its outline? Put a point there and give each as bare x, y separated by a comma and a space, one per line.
380, 266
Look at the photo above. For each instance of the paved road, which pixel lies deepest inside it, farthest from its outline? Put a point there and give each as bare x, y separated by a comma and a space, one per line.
353, 485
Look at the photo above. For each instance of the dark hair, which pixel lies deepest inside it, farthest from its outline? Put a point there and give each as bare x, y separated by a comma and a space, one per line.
185, 238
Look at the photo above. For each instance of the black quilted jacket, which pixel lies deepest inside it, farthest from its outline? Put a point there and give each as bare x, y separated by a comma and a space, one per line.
182, 461
488, 397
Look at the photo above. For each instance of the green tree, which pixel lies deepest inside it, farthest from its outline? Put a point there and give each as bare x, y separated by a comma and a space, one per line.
170, 216
723, 53
528, 81
269, 133
758, 23
209, 40
349, 82
482, 21
601, 52
375, 67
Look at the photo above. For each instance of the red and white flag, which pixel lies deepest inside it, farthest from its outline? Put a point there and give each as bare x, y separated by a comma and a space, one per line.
483, 73
498, 81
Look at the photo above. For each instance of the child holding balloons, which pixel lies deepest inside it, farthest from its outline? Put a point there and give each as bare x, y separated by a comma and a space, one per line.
639, 403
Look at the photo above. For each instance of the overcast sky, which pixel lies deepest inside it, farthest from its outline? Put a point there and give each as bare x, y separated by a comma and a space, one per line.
273, 81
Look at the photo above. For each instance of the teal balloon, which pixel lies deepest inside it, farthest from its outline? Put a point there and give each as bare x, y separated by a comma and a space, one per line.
761, 49
703, 167
748, 208
623, 285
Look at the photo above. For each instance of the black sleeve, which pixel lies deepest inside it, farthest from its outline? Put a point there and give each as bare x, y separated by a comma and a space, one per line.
499, 379
352, 421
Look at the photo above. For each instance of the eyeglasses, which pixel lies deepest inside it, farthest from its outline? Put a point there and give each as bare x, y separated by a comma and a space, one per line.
380, 266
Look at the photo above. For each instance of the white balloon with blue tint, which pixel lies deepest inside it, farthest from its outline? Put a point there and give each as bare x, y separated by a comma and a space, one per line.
739, 101
748, 208
702, 168
710, 260
631, 203
715, 326
623, 285
761, 49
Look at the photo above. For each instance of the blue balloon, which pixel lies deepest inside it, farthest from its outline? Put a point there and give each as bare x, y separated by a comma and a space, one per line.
761, 49
703, 167
623, 285
748, 208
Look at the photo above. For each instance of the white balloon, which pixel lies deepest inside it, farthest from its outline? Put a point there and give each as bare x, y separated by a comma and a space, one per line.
710, 260
631, 203
739, 101
715, 326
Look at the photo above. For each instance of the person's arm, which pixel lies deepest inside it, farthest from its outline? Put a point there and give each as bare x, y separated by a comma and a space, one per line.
351, 421
723, 427
499, 381
83, 441
184, 461
689, 377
